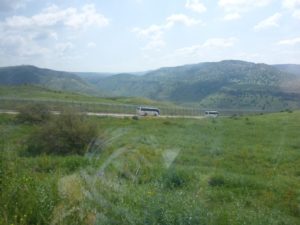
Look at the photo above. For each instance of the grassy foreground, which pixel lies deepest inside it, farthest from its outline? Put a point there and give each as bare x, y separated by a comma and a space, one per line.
240, 170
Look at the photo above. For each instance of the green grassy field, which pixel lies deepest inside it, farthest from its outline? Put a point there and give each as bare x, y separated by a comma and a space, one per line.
41, 93
14, 97
239, 170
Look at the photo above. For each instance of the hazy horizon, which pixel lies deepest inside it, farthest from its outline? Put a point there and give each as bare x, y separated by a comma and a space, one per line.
143, 71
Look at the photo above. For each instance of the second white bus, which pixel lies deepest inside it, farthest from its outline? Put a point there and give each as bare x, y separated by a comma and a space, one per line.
211, 113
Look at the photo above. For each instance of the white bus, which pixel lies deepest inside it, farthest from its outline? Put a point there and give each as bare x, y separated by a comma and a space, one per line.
211, 113
147, 111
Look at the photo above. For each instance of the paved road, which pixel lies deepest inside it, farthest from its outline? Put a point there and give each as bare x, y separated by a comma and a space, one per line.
117, 115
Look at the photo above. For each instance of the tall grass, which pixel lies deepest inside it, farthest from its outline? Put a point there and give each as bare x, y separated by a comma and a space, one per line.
159, 171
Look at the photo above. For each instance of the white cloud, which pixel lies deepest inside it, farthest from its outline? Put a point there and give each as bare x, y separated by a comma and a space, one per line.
232, 16
10, 44
271, 21
293, 6
220, 42
91, 44
213, 49
196, 6
63, 47
53, 16
8, 5
183, 19
31, 36
155, 44
153, 30
87, 17
213, 43
37, 35
34, 50
17, 22
191, 50
54, 35
21, 46
154, 33
242, 5
296, 14
235, 7
293, 41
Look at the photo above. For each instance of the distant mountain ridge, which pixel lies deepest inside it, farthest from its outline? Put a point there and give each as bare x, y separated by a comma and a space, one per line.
291, 85
289, 68
57, 80
226, 84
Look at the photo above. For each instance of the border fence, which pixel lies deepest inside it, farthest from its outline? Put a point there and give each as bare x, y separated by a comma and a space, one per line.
116, 108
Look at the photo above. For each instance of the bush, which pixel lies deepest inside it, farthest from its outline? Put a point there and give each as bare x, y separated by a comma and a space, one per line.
167, 123
234, 116
68, 133
135, 118
34, 113
216, 181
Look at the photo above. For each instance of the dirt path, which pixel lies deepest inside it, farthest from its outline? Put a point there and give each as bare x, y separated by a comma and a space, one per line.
117, 115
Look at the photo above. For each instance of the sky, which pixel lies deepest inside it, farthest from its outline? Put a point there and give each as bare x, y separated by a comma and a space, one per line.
139, 35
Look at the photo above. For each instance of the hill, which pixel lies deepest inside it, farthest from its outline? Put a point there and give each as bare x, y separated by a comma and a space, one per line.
13, 97
57, 80
225, 84
229, 84
289, 68
291, 85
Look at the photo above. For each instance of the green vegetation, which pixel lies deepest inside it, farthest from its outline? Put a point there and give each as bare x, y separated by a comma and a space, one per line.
32, 92
67, 133
16, 97
33, 113
289, 68
228, 84
239, 170
57, 80
225, 85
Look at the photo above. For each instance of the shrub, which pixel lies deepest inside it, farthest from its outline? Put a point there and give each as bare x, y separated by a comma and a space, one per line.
216, 181
68, 133
167, 123
234, 116
135, 118
33, 113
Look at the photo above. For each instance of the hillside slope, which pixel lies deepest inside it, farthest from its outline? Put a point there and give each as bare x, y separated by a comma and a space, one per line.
225, 84
289, 68
57, 80
291, 85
